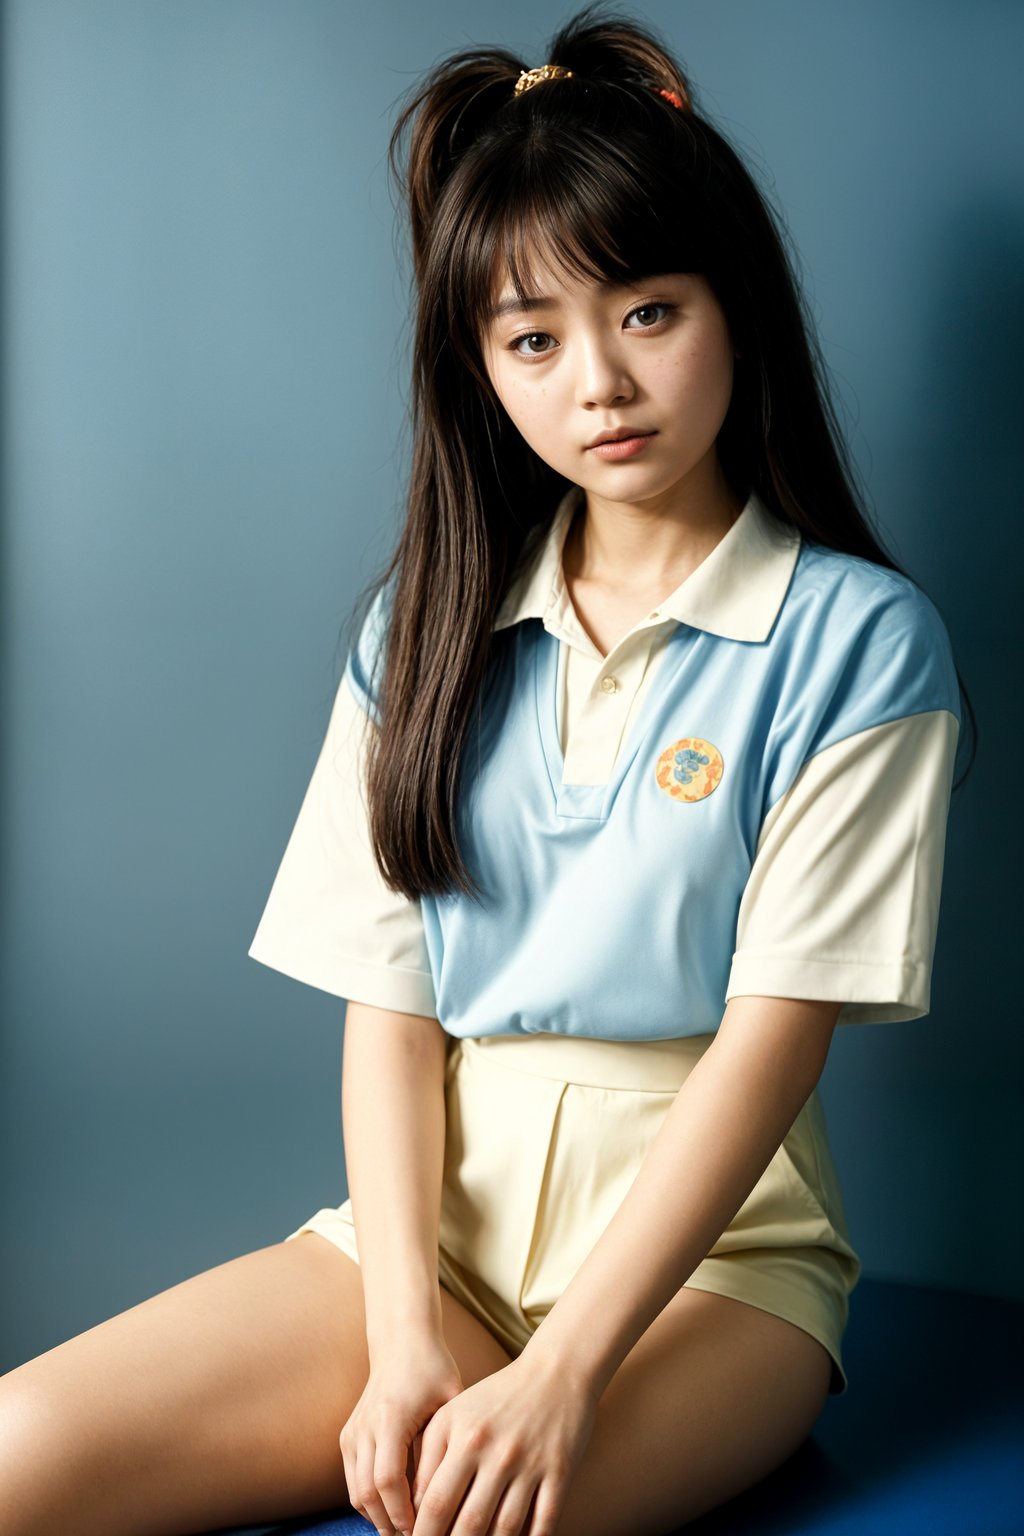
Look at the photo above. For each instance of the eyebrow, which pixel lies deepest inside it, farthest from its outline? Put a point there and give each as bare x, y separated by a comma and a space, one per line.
517, 306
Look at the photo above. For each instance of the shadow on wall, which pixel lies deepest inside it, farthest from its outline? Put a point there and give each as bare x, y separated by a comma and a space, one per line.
929, 1142
971, 451
972, 488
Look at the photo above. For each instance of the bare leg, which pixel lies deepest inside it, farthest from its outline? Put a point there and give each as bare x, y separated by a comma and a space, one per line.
216, 1402
713, 1397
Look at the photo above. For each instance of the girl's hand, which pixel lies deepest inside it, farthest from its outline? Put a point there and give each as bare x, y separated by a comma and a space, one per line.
517, 1436
405, 1387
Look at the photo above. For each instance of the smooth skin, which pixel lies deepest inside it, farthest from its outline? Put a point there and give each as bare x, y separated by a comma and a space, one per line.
221, 1400
654, 357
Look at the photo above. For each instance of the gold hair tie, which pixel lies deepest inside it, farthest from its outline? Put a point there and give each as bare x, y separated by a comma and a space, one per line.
529, 77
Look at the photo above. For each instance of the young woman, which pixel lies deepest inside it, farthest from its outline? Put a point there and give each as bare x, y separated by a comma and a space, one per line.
634, 787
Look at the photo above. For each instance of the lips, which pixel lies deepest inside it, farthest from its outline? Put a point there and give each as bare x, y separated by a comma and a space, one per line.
620, 435
615, 449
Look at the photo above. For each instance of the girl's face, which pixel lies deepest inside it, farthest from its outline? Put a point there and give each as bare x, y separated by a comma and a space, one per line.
583, 357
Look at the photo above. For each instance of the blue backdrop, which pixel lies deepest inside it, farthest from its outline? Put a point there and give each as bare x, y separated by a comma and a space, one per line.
204, 381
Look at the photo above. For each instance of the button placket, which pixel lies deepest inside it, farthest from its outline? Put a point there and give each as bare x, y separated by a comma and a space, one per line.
597, 734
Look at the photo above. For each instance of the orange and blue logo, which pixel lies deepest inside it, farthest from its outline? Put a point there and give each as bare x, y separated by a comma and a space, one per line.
690, 769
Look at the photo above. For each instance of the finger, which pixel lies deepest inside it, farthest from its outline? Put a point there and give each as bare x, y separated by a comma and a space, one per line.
478, 1507
370, 1504
441, 1499
433, 1444
513, 1509
389, 1466
442, 1491
412, 1462
548, 1504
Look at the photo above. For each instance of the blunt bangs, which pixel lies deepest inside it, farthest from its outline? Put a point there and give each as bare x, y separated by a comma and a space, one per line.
570, 199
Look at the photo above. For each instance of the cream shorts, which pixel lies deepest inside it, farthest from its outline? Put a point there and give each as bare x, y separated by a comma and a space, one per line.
545, 1133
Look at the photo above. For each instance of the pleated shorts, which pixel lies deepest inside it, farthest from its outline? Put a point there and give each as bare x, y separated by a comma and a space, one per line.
545, 1133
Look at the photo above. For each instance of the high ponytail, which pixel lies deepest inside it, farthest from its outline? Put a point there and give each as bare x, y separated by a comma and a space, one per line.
463, 93
619, 53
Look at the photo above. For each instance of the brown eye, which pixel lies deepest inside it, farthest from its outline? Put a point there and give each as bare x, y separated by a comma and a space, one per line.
649, 309
529, 336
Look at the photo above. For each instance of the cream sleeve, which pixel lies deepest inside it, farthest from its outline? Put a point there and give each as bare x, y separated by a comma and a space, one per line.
842, 900
330, 920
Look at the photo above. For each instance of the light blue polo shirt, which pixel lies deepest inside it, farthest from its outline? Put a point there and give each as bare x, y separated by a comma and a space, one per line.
611, 909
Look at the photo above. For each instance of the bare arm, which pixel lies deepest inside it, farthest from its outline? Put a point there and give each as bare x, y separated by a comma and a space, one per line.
725, 1125
393, 1124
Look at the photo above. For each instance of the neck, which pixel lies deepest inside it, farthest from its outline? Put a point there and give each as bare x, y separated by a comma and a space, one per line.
656, 543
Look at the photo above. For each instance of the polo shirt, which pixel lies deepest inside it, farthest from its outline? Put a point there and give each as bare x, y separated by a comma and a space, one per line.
747, 795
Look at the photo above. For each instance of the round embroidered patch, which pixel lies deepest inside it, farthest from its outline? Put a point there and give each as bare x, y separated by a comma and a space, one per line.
690, 769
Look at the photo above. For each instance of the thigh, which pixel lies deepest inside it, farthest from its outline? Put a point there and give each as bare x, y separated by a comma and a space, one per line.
216, 1402
713, 1396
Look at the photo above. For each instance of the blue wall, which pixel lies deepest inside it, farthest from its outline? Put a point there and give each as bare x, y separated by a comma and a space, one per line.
204, 382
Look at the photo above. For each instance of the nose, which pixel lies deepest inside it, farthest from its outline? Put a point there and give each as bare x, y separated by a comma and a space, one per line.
602, 375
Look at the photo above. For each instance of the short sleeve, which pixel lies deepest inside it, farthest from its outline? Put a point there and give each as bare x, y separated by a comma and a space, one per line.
842, 901
330, 920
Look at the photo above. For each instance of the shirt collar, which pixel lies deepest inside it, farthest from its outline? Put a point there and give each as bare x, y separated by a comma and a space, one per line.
736, 591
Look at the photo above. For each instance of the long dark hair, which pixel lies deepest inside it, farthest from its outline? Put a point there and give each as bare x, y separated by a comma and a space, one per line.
605, 176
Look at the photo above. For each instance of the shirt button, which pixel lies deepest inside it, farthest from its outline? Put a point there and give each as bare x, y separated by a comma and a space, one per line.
655, 614
609, 684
